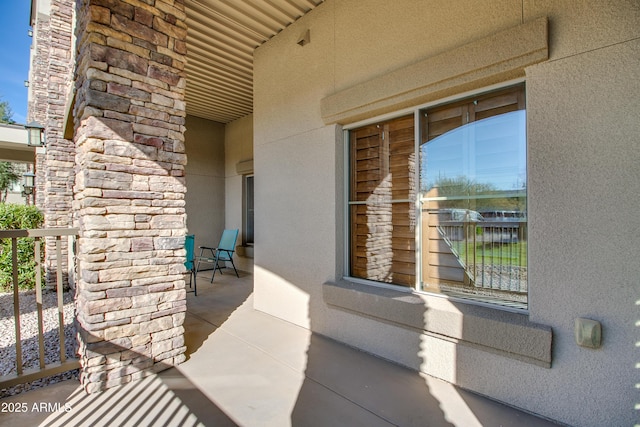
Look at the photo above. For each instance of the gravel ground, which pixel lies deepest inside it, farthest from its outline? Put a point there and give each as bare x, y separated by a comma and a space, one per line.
504, 278
29, 335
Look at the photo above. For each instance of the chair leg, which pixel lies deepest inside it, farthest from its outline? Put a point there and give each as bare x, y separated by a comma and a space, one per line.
198, 265
216, 266
194, 272
192, 279
234, 267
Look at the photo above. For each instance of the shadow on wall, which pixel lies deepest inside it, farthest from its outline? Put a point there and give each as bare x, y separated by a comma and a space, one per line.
375, 392
467, 371
345, 386
382, 392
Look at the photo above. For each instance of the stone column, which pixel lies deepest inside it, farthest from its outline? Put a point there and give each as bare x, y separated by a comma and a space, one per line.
38, 77
130, 188
50, 81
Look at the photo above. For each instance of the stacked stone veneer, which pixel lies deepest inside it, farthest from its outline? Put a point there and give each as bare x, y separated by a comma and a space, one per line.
130, 188
50, 81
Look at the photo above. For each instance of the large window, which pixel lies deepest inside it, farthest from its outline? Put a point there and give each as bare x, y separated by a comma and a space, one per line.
463, 201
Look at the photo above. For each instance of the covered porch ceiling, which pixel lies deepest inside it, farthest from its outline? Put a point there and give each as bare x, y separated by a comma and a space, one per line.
221, 38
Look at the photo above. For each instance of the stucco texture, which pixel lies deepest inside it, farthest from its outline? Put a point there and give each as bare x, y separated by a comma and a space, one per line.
238, 147
583, 178
205, 198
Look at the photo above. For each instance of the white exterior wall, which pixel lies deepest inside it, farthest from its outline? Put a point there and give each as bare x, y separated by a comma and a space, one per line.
583, 177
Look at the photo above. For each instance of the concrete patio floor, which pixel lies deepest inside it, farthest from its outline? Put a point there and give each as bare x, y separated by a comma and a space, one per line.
247, 368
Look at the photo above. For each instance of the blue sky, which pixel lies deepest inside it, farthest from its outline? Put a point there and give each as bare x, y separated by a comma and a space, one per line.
15, 47
490, 151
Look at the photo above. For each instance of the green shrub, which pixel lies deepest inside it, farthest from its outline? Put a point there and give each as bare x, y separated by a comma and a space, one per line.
16, 217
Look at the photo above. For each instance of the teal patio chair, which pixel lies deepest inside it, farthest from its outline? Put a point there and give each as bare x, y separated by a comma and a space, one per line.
222, 253
189, 245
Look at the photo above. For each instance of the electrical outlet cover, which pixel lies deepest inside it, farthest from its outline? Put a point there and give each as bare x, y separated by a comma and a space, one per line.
588, 333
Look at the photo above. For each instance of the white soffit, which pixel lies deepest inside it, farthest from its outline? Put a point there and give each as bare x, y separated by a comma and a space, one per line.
221, 38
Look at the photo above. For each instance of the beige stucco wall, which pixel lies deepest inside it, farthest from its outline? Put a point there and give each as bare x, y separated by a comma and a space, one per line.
205, 198
214, 196
238, 148
583, 157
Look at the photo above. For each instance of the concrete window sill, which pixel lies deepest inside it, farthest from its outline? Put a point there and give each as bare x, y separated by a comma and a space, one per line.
494, 330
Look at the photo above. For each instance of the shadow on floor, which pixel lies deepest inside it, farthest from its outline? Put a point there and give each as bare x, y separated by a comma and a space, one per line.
169, 398
214, 304
166, 399
386, 394
248, 368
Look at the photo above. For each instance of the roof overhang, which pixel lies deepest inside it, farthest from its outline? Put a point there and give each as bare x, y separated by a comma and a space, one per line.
221, 38
13, 144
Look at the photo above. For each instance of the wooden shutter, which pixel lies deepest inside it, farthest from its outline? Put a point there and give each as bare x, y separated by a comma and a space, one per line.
441, 120
382, 216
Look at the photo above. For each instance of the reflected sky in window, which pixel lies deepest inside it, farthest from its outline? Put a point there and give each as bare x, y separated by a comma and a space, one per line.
490, 152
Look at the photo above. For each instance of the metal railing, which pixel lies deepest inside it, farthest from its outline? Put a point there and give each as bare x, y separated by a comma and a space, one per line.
63, 363
493, 253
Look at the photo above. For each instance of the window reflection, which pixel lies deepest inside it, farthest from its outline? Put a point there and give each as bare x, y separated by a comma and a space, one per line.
478, 158
473, 206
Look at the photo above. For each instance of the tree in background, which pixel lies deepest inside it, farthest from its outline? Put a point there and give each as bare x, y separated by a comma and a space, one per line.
9, 175
463, 193
6, 113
